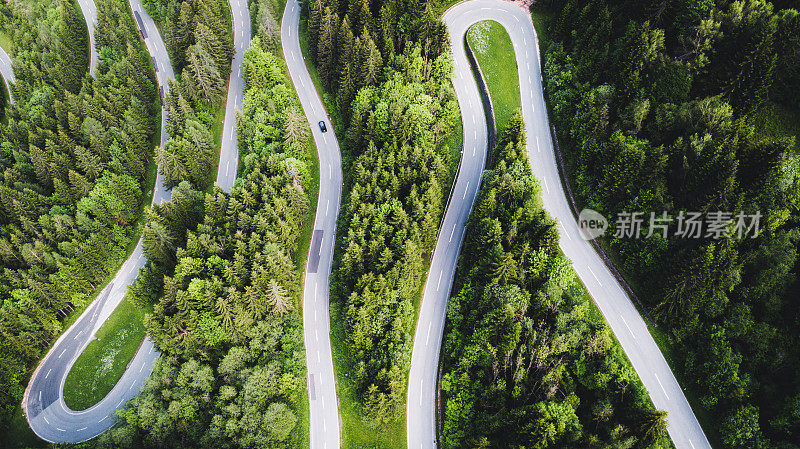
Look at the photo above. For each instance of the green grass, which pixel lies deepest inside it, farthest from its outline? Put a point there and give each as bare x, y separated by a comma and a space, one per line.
104, 361
776, 120
6, 42
495, 55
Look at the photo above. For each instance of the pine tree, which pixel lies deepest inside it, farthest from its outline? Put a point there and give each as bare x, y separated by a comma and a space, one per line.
326, 53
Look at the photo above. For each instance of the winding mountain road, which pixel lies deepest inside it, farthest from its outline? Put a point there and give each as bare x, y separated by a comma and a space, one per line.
321, 382
89, 10
229, 153
609, 296
7, 73
47, 413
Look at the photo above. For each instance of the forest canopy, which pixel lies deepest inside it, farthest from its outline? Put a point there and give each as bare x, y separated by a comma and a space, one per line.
226, 292
74, 152
659, 107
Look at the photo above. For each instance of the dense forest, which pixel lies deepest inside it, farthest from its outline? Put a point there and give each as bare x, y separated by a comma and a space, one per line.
350, 41
528, 359
199, 40
74, 153
386, 66
664, 106
226, 291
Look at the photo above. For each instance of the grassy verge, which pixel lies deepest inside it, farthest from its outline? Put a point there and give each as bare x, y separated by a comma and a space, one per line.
6, 42
104, 361
495, 55
776, 120
356, 433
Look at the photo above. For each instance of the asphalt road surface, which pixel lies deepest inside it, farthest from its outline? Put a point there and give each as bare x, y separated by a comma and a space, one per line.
229, 153
7, 72
89, 10
324, 406
47, 414
612, 300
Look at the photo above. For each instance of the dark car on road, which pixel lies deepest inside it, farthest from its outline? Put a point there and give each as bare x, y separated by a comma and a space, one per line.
322, 127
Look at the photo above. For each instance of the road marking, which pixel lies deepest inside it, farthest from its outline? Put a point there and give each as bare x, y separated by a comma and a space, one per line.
475, 133
79, 333
321, 242
104, 418
565, 230
319, 360
538, 150
439, 281
473, 150
330, 171
227, 167
465, 190
662, 386
60, 429
327, 205
48, 373
629, 328
131, 387
429, 333
316, 335
516, 18
151, 350
595, 276
62, 353
473, 120
690, 444
420, 391
451, 233
46, 420
545, 185
315, 314
140, 369
40, 395
82, 428
119, 403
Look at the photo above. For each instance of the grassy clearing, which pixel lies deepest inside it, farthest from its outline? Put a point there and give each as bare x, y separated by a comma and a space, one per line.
104, 361
777, 120
495, 55
6, 42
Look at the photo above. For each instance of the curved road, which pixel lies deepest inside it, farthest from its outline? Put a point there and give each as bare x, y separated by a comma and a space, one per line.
612, 300
7, 73
321, 383
89, 10
229, 153
47, 414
